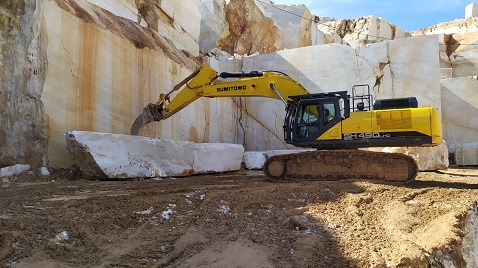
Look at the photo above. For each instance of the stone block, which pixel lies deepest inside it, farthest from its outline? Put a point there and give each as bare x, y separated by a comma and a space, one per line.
217, 157
116, 156
428, 158
254, 159
14, 170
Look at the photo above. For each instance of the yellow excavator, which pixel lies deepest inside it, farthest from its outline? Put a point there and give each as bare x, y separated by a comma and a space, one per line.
335, 123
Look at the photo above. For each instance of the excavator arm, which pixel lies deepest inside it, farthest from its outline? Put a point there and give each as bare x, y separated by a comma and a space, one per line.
206, 82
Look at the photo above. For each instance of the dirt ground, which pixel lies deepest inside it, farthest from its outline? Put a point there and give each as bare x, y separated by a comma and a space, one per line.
236, 219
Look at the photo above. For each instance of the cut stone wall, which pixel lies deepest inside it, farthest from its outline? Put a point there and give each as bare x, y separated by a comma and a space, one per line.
93, 65
77, 65
460, 105
102, 69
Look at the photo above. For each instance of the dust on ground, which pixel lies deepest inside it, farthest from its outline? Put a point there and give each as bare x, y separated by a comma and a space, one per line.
236, 219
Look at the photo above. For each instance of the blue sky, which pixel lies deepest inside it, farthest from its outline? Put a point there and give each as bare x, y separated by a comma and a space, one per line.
407, 14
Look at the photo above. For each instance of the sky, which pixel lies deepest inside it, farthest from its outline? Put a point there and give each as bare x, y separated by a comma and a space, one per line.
406, 14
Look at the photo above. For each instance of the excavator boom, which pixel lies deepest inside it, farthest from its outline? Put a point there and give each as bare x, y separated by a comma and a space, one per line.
206, 82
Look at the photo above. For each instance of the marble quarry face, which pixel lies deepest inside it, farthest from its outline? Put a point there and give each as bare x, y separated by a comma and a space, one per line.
93, 66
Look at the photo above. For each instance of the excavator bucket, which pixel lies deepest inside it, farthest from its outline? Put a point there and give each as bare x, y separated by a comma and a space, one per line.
152, 112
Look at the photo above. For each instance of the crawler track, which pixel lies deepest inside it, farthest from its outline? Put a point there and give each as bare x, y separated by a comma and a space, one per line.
341, 165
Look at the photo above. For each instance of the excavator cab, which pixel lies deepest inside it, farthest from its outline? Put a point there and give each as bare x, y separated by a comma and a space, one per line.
310, 116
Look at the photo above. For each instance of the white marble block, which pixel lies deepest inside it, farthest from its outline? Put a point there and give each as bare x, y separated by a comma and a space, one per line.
217, 157
254, 159
116, 156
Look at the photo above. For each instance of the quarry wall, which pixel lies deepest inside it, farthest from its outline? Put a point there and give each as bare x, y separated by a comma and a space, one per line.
93, 65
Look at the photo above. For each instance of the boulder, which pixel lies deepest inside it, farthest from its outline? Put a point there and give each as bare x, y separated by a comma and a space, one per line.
428, 158
14, 170
116, 156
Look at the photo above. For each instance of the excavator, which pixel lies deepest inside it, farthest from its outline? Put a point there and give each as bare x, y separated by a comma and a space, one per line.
338, 125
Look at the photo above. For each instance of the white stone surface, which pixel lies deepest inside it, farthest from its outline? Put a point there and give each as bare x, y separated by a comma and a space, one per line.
428, 158
14, 170
460, 53
121, 8
177, 20
186, 27
460, 107
117, 156
213, 23
254, 159
217, 157
295, 21
471, 10
44, 171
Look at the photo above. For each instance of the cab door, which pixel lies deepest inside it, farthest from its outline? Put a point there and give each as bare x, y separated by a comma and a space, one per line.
313, 117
